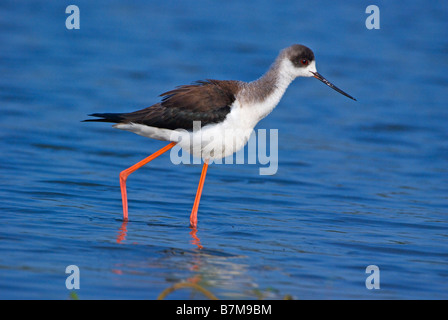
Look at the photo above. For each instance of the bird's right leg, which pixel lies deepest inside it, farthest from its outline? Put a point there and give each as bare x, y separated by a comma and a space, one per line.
125, 173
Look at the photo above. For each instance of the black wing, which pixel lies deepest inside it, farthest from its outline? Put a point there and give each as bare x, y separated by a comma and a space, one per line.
206, 101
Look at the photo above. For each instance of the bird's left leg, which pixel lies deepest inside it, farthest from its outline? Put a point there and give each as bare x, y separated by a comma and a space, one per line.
194, 212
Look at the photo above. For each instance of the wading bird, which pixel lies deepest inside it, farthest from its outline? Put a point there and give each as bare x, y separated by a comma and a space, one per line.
227, 110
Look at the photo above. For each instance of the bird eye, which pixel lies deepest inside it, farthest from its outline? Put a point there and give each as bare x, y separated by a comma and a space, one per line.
304, 62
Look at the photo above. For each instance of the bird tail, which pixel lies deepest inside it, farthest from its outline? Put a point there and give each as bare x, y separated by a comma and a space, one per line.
106, 117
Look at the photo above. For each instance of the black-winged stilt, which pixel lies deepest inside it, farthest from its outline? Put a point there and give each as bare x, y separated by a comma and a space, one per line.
227, 111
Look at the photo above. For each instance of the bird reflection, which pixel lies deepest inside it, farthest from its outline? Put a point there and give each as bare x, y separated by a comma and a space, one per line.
122, 233
196, 241
209, 270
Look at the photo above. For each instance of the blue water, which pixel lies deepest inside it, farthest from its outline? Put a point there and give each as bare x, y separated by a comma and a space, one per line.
358, 183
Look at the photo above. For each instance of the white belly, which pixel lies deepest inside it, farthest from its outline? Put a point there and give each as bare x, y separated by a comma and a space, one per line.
213, 141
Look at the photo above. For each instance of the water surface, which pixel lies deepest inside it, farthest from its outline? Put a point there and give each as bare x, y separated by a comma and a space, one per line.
358, 183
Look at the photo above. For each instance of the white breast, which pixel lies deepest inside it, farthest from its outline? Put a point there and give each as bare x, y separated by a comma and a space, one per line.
216, 141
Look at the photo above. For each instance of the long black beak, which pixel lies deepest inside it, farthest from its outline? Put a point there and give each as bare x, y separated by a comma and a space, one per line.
328, 83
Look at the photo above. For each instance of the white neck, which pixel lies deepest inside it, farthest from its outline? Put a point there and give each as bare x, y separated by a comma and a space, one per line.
264, 94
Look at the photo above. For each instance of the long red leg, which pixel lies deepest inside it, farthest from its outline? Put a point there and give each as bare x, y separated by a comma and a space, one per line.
194, 212
125, 173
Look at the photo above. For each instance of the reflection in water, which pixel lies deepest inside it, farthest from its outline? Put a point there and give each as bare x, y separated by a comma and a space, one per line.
202, 270
122, 232
196, 241
191, 285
